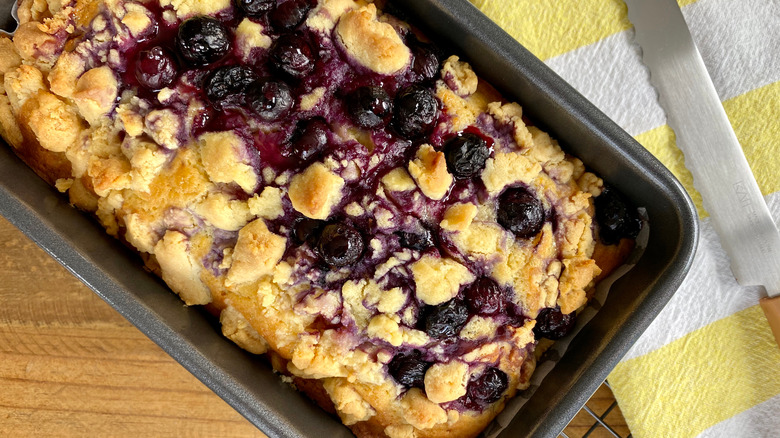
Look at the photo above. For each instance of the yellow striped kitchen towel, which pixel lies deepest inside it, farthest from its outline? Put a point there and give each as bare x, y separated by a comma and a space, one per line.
708, 365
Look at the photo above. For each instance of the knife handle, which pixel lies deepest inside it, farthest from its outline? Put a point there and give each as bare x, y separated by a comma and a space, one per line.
771, 308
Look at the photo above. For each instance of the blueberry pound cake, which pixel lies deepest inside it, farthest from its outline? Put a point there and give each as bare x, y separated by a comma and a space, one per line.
344, 196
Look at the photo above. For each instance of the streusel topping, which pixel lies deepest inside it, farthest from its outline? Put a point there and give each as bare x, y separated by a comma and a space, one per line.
350, 199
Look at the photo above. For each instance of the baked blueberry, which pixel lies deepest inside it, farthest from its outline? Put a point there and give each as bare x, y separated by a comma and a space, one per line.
340, 245
409, 369
293, 55
488, 387
255, 8
466, 155
416, 110
417, 241
310, 139
288, 15
551, 323
270, 99
306, 230
616, 217
426, 63
520, 212
446, 319
369, 107
203, 40
485, 297
155, 68
228, 81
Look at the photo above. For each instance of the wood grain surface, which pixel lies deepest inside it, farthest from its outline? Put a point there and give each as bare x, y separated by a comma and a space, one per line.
71, 366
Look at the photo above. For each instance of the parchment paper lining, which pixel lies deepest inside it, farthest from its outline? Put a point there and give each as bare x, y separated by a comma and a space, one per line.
554, 353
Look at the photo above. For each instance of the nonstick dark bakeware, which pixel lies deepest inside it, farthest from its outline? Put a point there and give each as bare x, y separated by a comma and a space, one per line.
189, 335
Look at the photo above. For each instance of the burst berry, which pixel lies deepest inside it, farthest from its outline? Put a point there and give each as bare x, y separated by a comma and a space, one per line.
203, 40
340, 245
369, 107
293, 55
489, 387
271, 100
409, 369
310, 138
227, 82
485, 297
155, 68
446, 319
255, 8
520, 212
426, 63
306, 230
551, 323
417, 241
616, 217
416, 112
288, 15
466, 155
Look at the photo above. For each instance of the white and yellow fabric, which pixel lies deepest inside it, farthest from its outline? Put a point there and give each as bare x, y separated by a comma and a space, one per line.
708, 366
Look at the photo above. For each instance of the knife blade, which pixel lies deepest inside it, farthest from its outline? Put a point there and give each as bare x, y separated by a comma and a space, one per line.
712, 152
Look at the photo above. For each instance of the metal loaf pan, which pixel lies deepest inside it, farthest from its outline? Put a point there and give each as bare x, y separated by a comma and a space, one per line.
248, 384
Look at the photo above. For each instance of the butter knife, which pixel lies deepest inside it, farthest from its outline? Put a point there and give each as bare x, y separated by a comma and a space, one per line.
720, 170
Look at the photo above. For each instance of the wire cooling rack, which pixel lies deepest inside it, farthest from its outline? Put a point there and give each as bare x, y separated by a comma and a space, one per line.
599, 418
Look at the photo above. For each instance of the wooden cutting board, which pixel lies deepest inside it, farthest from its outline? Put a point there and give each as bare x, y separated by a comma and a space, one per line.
71, 366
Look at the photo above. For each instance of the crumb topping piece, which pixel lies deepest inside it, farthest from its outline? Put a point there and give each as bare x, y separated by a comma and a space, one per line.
316, 191
446, 382
458, 217
223, 155
180, 269
349, 404
188, 8
373, 44
236, 327
506, 169
95, 93
54, 123
420, 411
257, 253
438, 279
324, 17
459, 76
268, 204
429, 170
398, 180
250, 36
